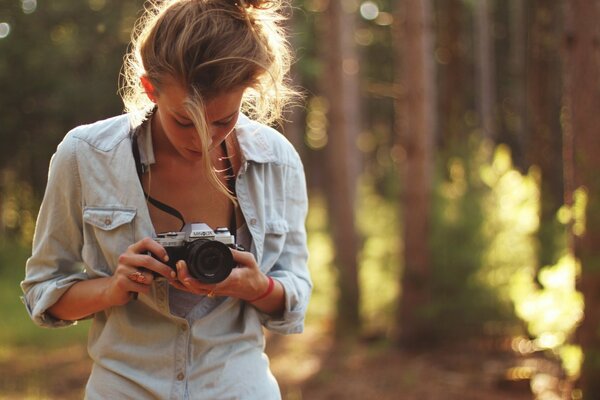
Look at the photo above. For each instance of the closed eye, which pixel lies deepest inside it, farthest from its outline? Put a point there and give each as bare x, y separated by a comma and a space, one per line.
225, 121
184, 124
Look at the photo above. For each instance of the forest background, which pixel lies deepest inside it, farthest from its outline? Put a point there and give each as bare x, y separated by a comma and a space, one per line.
452, 164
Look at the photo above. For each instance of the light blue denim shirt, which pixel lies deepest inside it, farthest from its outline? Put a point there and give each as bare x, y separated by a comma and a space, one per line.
94, 208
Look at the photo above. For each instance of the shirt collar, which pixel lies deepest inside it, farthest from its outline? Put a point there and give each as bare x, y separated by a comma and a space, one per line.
251, 137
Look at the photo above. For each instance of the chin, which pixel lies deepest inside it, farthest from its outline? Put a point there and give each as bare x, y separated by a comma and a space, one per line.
192, 155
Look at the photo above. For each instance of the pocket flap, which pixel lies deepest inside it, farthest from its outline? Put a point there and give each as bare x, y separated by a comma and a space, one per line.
277, 226
107, 218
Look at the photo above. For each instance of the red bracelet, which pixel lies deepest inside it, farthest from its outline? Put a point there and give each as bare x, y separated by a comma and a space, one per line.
267, 292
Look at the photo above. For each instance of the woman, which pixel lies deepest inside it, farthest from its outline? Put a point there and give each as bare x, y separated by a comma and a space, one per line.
184, 153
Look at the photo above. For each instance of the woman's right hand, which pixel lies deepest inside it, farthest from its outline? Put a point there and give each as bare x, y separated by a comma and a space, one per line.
137, 270
134, 274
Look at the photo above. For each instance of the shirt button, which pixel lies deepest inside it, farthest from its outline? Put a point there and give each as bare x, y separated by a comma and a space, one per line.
107, 221
183, 328
180, 376
253, 221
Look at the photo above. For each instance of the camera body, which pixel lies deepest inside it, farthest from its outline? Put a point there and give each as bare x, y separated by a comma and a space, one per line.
206, 252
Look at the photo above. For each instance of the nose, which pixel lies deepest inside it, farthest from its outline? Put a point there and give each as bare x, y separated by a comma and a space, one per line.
217, 135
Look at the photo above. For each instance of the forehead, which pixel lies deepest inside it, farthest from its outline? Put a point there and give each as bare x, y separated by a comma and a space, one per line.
173, 97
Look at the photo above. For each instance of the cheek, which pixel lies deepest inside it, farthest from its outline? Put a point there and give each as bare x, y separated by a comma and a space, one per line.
219, 133
181, 135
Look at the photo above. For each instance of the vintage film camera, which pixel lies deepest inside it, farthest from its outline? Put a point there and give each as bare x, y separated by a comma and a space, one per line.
206, 252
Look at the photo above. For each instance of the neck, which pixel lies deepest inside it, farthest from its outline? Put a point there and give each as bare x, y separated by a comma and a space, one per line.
166, 154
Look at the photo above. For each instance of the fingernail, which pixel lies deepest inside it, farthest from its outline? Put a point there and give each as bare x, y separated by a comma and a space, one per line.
187, 281
173, 274
166, 258
178, 265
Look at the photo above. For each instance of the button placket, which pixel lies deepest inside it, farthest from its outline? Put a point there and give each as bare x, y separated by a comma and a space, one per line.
181, 351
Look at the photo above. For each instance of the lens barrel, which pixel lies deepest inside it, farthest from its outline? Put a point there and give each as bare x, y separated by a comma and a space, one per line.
209, 261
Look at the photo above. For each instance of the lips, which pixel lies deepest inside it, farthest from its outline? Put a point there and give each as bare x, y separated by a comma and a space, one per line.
196, 153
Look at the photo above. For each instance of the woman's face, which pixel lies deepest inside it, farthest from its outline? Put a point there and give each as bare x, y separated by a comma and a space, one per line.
176, 125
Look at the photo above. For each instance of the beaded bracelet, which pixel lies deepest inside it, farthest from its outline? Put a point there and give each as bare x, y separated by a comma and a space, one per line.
267, 292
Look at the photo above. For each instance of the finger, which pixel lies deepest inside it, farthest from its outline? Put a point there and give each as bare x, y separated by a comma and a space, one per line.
148, 262
178, 285
244, 258
183, 273
139, 288
151, 245
189, 281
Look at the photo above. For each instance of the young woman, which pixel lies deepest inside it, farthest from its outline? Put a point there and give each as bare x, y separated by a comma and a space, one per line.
184, 153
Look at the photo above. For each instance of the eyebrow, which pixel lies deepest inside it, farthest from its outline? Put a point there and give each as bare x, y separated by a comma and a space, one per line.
216, 121
227, 117
181, 116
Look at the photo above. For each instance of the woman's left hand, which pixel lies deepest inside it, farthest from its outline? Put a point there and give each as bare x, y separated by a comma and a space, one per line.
245, 282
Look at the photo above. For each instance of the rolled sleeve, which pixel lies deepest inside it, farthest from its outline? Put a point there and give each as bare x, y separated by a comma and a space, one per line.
291, 269
55, 264
43, 295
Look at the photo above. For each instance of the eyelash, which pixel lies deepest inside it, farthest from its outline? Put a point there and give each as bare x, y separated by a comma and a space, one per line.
184, 125
224, 123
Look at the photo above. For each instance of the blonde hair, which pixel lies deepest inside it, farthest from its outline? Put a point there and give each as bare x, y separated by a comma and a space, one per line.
210, 47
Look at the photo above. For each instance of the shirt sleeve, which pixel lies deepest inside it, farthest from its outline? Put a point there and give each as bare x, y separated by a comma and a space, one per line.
56, 264
291, 269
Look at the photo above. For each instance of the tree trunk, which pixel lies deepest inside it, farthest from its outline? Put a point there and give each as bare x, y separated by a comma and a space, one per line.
342, 87
416, 125
453, 69
582, 141
295, 116
516, 124
484, 69
544, 147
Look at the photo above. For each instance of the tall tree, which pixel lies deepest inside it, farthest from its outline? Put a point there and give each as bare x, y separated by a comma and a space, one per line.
544, 147
342, 89
516, 123
485, 68
451, 55
582, 146
416, 126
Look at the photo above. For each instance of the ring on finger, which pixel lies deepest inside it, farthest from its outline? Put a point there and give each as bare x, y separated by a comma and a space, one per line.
137, 276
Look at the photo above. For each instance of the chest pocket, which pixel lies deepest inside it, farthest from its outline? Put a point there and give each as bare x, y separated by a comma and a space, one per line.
275, 235
108, 231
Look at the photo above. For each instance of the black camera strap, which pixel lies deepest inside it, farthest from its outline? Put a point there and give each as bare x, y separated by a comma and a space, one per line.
230, 178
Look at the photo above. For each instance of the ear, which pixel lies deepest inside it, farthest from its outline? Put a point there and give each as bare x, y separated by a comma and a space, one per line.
148, 88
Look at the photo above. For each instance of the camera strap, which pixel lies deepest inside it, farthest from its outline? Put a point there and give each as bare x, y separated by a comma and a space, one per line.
230, 178
156, 203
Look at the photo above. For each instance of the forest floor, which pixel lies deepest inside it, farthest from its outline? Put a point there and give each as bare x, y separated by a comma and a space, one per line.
311, 366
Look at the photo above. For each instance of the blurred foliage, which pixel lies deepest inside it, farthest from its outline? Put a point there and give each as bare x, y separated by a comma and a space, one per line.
59, 67
463, 305
16, 329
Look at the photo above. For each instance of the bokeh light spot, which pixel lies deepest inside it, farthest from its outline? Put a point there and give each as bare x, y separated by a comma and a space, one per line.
4, 30
369, 10
28, 6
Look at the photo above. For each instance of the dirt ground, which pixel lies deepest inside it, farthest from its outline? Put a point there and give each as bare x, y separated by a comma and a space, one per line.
310, 366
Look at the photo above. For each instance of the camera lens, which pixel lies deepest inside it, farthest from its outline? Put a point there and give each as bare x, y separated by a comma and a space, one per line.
209, 261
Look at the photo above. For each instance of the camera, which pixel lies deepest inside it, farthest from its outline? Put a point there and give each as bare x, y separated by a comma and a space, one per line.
206, 252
